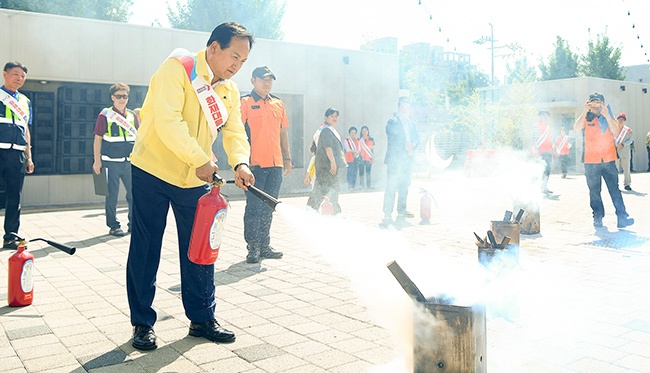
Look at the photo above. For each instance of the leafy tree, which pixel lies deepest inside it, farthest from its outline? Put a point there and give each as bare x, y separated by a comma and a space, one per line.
514, 117
261, 17
562, 63
602, 60
107, 10
457, 93
520, 72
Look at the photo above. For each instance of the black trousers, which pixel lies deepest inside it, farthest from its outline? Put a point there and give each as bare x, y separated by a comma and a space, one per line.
12, 173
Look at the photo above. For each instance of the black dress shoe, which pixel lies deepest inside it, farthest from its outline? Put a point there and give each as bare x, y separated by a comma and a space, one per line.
144, 338
269, 253
212, 331
10, 244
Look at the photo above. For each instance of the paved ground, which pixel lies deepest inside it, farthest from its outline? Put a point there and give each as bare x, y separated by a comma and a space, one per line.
578, 300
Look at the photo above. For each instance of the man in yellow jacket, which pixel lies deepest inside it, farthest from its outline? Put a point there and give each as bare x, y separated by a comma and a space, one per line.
190, 100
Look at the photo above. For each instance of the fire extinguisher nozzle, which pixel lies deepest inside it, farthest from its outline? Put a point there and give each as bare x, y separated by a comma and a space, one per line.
65, 248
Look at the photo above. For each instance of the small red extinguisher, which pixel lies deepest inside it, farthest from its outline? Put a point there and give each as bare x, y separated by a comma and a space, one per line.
326, 207
209, 222
20, 289
426, 202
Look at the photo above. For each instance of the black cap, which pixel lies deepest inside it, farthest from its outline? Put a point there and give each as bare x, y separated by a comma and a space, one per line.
596, 97
262, 72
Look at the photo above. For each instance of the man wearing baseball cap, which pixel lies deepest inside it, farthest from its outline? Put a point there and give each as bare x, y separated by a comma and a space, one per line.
600, 129
624, 142
266, 123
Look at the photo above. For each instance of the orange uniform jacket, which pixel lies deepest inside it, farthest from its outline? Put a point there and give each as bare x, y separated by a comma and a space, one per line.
599, 146
264, 118
562, 148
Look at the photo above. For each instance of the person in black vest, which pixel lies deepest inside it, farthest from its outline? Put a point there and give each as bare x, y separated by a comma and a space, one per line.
15, 149
115, 132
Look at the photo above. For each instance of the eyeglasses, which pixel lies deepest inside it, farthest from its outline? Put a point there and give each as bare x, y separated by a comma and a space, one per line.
124, 97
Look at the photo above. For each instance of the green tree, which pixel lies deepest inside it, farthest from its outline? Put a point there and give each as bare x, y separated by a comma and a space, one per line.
562, 64
602, 60
515, 115
457, 93
107, 10
261, 17
520, 72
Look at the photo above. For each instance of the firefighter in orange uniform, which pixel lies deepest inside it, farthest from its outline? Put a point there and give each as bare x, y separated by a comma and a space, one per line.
266, 123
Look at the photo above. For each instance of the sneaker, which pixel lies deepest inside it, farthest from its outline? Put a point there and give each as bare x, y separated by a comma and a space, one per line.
408, 214
564, 176
10, 244
117, 232
269, 253
598, 222
624, 222
627, 187
211, 330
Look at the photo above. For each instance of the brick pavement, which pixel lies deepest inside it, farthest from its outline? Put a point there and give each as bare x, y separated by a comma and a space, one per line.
577, 302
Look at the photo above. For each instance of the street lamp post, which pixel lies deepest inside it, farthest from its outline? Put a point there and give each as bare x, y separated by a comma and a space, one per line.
492, 49
484, 39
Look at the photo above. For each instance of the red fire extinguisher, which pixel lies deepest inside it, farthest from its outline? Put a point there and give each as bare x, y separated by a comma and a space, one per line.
20, 289
209, 221
326, 207
426, 202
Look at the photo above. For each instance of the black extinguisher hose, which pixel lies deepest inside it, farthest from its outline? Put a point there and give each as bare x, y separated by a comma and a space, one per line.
65, 248
268, 199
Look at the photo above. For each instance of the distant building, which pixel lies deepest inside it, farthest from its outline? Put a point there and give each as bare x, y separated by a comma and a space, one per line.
637, 73
70, 72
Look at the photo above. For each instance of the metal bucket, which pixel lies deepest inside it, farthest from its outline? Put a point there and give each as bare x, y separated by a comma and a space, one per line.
455, 342
530, 223
501, 229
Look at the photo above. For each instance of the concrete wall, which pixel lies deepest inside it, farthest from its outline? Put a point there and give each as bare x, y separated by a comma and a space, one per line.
565, 99
364, 86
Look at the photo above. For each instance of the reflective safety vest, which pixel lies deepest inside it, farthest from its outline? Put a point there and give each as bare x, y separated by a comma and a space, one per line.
12, 136
117, 143
599, 146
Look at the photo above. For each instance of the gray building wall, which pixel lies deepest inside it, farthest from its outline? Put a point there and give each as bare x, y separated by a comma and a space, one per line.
565, 100
60, 50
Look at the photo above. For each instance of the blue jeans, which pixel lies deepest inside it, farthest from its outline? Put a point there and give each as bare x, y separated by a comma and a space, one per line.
365, 168
353, 169
609, 173
114, 172
397, 183
258, 215
151, 200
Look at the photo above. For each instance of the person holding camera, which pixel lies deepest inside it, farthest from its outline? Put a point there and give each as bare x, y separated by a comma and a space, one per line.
600, 129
